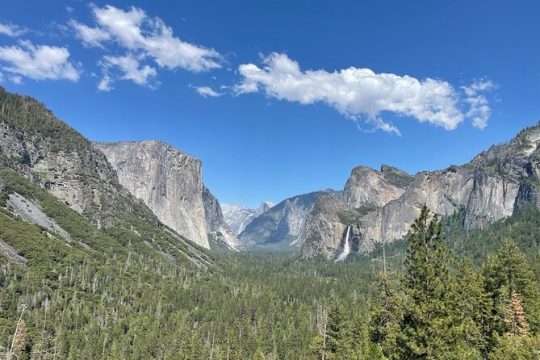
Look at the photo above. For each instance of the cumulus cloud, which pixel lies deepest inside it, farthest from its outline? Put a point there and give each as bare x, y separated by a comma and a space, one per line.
147, 38
130, 69
207, 91
90, 36
12, 30
37, 62
479, 109
358, 93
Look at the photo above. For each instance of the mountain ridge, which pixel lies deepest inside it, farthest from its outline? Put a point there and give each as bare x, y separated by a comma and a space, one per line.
490, 187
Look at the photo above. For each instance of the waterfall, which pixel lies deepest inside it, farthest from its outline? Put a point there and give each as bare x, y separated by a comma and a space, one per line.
346, 246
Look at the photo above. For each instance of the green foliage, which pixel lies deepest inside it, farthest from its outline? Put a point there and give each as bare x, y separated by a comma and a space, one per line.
443, 308
33, 119
354, 216
506, 271
516, 348
109, 294
397, 178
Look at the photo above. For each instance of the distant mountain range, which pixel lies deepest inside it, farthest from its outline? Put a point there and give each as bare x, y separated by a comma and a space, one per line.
126, 184
238, 216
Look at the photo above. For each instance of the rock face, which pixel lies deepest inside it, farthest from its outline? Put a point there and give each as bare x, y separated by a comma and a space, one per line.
238, 217
366, 186
381, 205
170, 183
215, 221
167, 181
365, 193
48, 152
281, 225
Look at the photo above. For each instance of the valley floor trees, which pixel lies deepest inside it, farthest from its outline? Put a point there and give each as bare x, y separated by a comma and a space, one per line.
435, 304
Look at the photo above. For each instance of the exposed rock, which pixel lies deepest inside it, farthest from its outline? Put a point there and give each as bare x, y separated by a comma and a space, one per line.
49, 153
281, 225
364, 195
366, 186
168, 181
11, 254
491, 187
238, 217
29, 211
215, 222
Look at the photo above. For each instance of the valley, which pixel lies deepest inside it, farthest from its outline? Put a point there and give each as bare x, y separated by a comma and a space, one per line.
119, 250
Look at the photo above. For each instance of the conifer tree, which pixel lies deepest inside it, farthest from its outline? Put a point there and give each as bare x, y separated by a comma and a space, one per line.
506, 272
423, 316
335, 330
471, 308
516, 323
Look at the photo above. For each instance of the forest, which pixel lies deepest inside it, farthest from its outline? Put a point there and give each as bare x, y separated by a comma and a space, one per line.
440, 293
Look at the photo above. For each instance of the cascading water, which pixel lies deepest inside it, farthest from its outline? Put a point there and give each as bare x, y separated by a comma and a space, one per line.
346, 246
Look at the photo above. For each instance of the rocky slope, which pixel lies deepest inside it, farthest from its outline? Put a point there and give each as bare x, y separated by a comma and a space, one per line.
170, 183
381, 207
41, 153
280, 226
238, 216
365, 193
216, 226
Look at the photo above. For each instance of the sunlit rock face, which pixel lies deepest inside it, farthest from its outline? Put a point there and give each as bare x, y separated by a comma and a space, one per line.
381, 205
280, 227
167, 181
215, 221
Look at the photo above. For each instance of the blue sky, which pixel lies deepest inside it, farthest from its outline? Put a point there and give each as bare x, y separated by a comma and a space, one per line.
279, 98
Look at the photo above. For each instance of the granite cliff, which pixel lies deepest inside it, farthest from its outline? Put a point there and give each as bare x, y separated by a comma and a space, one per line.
380, 206
170, 183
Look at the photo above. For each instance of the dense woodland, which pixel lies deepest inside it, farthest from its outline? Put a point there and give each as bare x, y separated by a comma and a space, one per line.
441, 293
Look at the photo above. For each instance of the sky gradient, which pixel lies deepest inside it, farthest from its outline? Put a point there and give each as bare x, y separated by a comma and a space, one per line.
281, 98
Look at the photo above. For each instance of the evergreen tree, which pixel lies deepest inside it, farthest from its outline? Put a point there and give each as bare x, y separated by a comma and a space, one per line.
515, 321
426, 314
506, 272
335, 330
386, 314
470, 306
423, 317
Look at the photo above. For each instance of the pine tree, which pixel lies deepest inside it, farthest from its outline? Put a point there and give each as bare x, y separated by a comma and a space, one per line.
385, 315
471, 308
516, 323
335, 330
423, 310
506, 272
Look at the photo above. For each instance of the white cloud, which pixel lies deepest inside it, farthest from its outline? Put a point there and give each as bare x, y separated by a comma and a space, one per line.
90, 36
358, 93
207, 91
145, 38
479, 109
105, 84
39, 62
130, 69
12, 30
